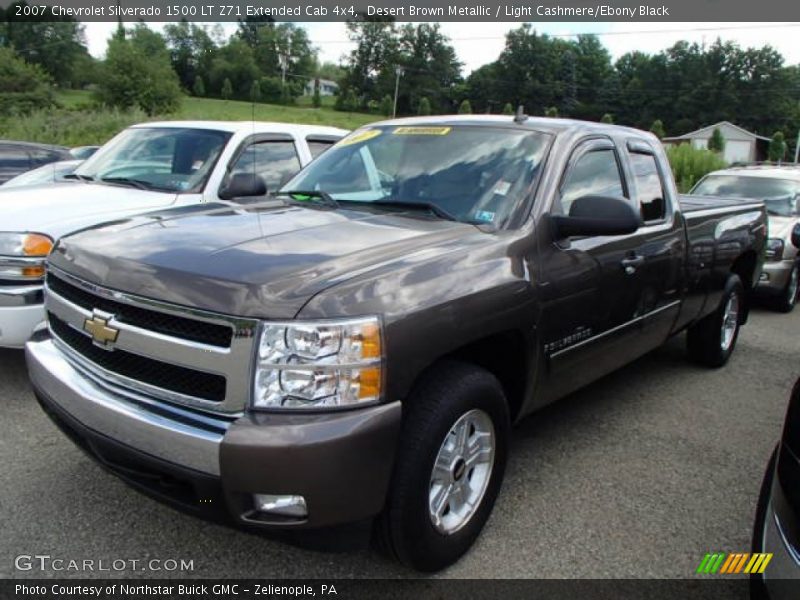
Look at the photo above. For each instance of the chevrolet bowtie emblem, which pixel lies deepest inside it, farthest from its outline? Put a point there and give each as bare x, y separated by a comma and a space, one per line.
101, 332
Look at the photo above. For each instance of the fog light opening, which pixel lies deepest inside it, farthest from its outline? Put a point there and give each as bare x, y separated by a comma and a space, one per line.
285, 506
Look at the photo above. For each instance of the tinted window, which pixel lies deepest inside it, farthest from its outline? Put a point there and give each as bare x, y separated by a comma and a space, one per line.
596, 173
317, 147
275, 162
13, 160
648, 186
43, 157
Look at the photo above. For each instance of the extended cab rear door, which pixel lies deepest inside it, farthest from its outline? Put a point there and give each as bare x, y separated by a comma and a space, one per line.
598, 292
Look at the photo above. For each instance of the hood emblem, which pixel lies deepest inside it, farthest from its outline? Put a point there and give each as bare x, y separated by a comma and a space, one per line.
102, 333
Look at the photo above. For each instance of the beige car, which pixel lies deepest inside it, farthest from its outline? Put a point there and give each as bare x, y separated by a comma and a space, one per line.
779, 188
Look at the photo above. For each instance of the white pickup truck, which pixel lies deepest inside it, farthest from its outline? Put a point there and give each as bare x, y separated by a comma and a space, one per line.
145, 168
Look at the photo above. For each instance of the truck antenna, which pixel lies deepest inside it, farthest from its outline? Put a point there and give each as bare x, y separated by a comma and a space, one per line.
520, 117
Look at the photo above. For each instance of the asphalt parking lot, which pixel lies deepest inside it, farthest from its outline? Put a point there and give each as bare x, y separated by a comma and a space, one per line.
638, 475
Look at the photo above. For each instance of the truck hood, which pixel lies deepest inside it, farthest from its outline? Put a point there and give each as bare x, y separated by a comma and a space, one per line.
61, 208
262, 261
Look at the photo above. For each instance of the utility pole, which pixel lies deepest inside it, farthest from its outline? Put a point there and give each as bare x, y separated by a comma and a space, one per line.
398, 71
797, 148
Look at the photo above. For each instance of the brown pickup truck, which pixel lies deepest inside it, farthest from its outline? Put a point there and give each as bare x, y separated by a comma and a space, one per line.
356, 348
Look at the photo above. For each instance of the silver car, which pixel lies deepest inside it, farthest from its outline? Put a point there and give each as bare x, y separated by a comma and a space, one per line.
779, 188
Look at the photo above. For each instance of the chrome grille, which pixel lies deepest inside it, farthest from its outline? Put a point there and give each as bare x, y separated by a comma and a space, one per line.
157, 351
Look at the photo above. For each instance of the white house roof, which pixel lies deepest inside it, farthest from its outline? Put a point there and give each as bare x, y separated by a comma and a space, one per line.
700, 133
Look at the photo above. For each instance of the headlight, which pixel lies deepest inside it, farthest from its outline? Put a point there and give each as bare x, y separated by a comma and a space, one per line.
313, 365
22, 255
774, 249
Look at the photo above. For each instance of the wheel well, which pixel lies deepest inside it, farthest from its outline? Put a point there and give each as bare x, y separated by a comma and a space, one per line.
505, 356
745, 267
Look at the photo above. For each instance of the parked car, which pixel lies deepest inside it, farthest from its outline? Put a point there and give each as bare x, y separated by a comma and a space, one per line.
146, 167
18, 157
83, 152
779, 187
362, 348
43, 175
777, 524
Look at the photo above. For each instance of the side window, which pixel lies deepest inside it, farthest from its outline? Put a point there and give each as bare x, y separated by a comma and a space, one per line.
649, 186
318, 146
596, 173
275, 162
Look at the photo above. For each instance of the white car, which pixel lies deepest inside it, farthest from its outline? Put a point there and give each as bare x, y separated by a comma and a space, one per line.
147, 167
779, 188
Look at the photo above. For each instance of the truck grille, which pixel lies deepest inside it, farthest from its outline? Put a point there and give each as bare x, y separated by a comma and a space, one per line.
142, 346
140, 368
196, 331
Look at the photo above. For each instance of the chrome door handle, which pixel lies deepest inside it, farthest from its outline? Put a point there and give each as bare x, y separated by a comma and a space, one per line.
631, 263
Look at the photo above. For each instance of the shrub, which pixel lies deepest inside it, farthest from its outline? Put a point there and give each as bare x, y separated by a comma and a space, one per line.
551, 112
716, 143
465, 108
227, 89
316, 99
199, 88
607, 118
424, 107
689, 164
70, 127
23, 87
777, 147
255, 91
387, 106
657, 129
508, 109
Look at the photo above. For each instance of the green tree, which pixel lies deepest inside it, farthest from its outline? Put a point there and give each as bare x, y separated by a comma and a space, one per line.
137, 73
23, 87
386, 106
777, 147
227, 89
716, 143
316, 99
424, 107
56, 44
255, 91
657, 129
551, 112
607, 118
508, 109
191, 51
198, 87
235, 62
465, 108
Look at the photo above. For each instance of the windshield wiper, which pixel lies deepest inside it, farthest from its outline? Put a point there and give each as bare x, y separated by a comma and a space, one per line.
303, 196
419, 205
137, 183
78, 177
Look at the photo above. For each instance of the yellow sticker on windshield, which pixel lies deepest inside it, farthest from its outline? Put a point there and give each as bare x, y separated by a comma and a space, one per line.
422, 130
359, 136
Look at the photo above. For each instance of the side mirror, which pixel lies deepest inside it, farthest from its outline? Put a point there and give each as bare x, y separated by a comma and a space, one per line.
241, 185
796, 235
597, 215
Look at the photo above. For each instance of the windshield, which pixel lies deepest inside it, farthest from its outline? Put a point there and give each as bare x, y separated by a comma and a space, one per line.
779, 195
168, 159
470, 173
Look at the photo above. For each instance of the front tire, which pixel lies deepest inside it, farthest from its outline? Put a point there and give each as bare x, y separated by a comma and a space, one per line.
450, 466
786, 301
711, 340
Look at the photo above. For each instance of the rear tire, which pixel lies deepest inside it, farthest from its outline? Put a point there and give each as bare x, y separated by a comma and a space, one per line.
457, 419
711, 340
786, 301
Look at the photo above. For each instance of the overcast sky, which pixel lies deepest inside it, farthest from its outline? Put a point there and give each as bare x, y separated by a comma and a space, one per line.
480, 43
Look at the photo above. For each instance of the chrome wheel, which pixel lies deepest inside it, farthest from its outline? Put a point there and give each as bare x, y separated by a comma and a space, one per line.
461, 471
791, 291
730, 322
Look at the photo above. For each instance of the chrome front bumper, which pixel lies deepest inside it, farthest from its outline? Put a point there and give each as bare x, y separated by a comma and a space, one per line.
179, 436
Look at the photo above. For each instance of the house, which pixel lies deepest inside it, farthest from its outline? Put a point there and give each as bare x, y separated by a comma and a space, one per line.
326, 87
740, 145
